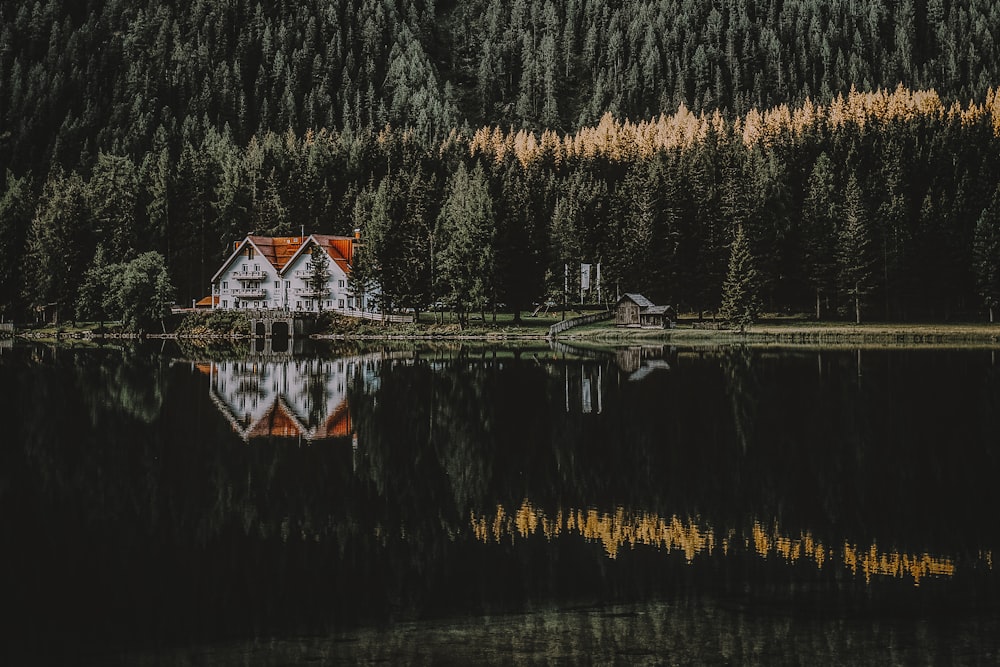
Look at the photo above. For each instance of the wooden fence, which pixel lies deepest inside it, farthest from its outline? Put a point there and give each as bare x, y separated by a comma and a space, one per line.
378, 317
559, 327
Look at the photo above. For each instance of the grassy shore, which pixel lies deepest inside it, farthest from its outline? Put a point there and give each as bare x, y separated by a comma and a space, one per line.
777, 331
799, 331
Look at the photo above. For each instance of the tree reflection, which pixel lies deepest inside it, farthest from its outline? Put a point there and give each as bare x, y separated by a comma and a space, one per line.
122, 459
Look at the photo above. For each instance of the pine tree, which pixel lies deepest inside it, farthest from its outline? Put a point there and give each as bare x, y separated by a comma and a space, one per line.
319, 273
986, 255
819, 222
465, 232
60, 244
740, 298
16, 209
854, 248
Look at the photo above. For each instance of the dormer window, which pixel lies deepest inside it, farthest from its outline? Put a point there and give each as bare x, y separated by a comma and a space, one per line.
249, 252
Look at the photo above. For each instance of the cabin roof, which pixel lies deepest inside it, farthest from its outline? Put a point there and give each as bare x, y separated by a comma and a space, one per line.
637, 299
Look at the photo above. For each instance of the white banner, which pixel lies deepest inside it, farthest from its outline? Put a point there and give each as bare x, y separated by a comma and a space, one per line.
585, 276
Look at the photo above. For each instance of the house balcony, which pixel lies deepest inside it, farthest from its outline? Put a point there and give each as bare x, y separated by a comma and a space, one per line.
309, 292
249, 275
306, 274
248, 293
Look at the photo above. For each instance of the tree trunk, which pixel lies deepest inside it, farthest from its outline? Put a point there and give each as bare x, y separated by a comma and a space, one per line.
857, 304
817, 303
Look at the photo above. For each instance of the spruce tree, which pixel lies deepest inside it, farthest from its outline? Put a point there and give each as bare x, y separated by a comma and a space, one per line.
854, 248
740, 298
819, 223
986, 255
319, 273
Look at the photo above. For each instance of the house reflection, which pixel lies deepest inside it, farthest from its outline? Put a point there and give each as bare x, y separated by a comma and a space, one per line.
584, 388
641, 361
304, 398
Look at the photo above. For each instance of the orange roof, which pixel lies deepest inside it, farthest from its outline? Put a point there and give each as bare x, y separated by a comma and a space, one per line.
207, 302
339, 248
277, 249
338, 425
276, 422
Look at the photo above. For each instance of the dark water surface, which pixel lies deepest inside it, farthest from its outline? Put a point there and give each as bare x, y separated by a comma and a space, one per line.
534, 505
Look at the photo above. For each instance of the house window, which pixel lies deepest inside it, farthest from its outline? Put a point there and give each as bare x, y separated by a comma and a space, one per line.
340, 283
249, 252
225, 303
225, 284
329, 303
277, 284
340, 304
288, 283
298, 305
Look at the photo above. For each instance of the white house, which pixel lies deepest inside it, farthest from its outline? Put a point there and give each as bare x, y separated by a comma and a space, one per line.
273, 272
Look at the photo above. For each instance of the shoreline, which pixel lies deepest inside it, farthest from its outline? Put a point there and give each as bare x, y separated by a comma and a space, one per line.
768, 334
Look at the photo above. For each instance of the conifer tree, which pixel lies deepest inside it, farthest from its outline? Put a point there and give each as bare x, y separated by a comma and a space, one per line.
465, 231
16, 209
740, 297
319, 273
986, 255
854, 248
819, 222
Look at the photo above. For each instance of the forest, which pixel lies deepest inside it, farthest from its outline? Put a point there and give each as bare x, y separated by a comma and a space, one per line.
846, 151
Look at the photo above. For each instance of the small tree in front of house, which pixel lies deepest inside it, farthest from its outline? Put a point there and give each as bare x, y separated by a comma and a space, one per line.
740, 301
319, 273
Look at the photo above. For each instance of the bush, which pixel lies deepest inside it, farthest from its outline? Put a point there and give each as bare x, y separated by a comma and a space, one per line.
215, 323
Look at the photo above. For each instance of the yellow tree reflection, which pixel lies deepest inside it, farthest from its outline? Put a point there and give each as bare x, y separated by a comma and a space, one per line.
622, 529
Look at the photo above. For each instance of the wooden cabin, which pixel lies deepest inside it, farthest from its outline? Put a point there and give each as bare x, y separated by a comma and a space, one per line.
635, 310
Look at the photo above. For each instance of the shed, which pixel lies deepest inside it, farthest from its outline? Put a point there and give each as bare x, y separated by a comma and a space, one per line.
635, 310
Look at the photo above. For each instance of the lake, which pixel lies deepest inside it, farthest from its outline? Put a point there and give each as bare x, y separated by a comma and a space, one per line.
456, 504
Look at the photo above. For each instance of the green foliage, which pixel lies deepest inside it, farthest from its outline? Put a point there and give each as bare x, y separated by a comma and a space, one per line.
319, 273
139, 292
464, 264
740, 300
986, 255
17, 206
854, 253
214, 322
178, 127
60, 243
819, 228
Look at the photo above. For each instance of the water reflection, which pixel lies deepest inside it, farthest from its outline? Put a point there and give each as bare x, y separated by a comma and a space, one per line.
303, 398
759, 475
693, 537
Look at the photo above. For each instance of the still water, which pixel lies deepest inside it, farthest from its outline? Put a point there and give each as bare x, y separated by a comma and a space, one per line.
513, 505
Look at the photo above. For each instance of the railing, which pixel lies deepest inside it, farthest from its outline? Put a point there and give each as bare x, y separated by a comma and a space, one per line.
309, 291
250, 275
577, 321
248, 293
378, 317
308, 273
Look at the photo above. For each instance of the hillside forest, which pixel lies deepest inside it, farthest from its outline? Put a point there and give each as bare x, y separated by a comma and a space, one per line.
846, 153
